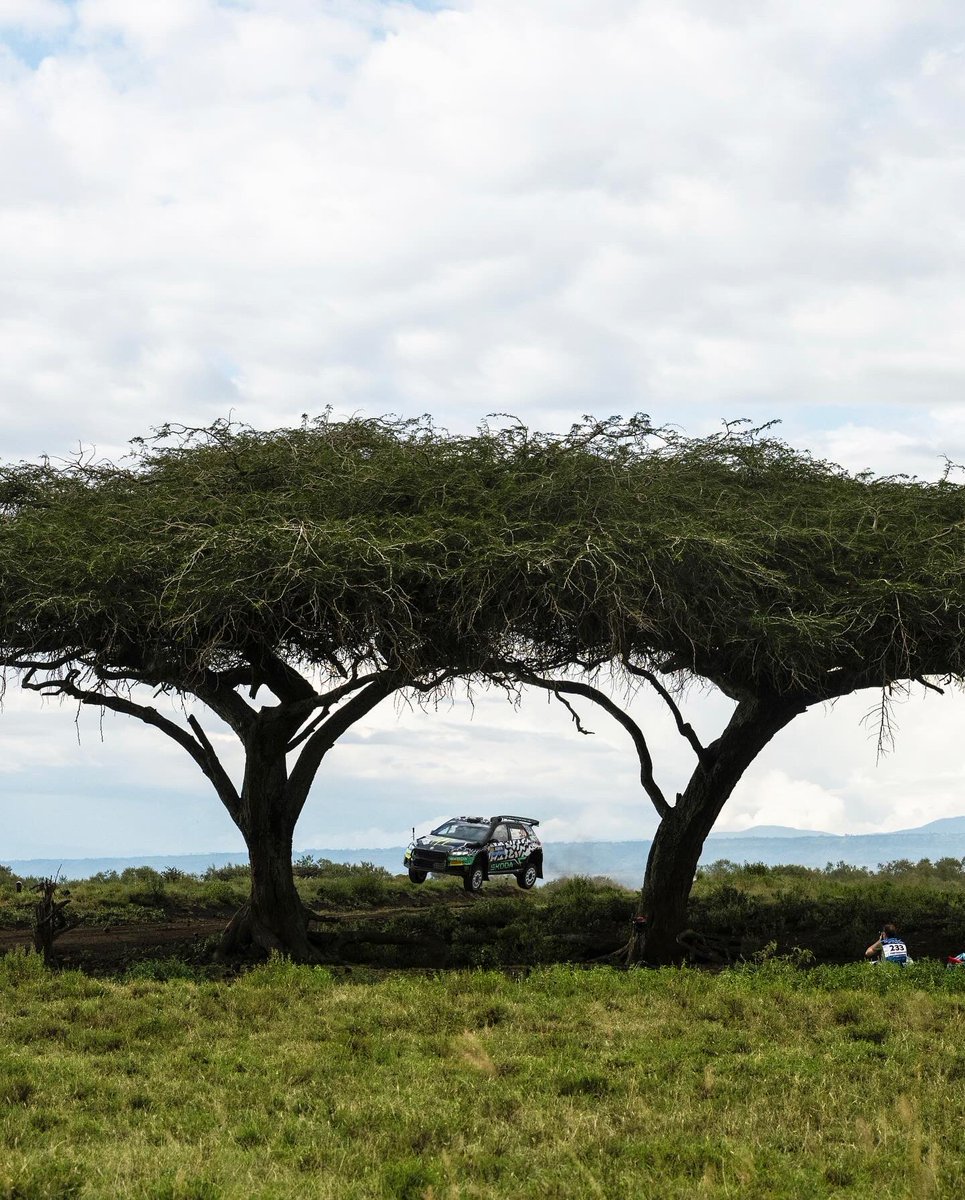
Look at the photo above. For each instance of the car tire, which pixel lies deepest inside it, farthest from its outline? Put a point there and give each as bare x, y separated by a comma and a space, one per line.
527, 876
417, 876
474, 878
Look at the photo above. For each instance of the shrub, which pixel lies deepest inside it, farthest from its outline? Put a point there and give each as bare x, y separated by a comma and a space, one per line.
231, 872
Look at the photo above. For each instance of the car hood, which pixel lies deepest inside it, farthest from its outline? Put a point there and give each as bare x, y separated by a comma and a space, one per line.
444, 843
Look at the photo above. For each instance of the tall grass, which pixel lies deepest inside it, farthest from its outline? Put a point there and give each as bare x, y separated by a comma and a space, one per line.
291, 1081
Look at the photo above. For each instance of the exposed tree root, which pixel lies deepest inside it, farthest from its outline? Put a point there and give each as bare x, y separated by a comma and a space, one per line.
249, 937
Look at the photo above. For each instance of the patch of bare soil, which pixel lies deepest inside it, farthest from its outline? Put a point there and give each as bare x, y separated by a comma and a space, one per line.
115, 946
107, 947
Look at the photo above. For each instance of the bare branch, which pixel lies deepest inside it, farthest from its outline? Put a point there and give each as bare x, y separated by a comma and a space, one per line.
200, 750
558, 686
324, 738
325, 702
685, 729
216, 772
17, 663
224, 702
580, 728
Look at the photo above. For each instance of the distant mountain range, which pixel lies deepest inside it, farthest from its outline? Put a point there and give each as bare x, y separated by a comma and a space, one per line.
622, 861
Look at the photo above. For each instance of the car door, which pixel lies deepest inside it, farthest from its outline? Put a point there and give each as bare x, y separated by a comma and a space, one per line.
500, 850
521, 844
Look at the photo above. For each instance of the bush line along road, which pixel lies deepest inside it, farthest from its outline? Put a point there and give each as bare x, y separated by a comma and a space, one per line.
369, 916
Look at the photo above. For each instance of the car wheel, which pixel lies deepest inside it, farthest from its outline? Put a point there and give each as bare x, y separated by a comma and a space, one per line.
417, 876
474, 878
527, 876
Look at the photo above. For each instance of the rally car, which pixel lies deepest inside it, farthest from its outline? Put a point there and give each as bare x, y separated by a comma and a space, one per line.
477, 849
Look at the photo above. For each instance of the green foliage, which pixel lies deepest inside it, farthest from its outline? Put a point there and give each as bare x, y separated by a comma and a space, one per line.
231, 873
835, 912
385, 542
307, 867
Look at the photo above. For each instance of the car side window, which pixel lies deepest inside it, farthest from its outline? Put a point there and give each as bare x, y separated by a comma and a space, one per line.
500, 834
516, 832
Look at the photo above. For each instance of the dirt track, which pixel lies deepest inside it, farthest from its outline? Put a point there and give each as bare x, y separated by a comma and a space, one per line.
107, 945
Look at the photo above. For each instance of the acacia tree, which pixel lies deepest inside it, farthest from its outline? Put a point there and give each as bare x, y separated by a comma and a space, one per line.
287, 581
781, 580
290, 581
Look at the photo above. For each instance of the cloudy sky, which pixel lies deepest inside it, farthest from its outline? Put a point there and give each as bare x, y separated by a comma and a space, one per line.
701, 209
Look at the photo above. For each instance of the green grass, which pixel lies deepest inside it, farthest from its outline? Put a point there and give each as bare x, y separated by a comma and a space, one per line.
290, 1081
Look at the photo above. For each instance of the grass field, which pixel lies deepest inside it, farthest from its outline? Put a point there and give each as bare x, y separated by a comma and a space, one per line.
763, 1081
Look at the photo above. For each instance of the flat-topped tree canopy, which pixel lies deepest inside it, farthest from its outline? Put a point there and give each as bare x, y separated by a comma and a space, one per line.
336, 545
762, 567
390, 543
739, 559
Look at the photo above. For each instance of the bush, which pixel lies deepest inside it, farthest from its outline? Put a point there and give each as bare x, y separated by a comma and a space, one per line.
231, 872
307, 867
222, 893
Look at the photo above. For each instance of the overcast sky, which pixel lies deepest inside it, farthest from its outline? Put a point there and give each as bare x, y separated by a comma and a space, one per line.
701, 209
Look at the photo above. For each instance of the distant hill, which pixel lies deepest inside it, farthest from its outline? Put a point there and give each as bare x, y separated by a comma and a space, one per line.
772, 831
946, 826
622, 861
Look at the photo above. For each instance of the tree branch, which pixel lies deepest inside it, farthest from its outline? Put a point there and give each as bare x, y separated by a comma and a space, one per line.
200, 750
28, 664
325, 701
684, 728
225, 702
589, 692
580, 727
217, 774
322, 739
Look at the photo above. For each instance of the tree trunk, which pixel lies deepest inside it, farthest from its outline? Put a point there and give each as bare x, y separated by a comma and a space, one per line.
274, 919
680, 836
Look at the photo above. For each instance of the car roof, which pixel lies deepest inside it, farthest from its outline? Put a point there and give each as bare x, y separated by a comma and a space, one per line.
493, 820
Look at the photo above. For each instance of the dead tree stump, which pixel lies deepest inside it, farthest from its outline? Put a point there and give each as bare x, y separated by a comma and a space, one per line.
50, 919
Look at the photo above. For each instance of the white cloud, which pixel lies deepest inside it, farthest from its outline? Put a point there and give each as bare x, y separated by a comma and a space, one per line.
703, 210
544, 207
35, 17
774, 798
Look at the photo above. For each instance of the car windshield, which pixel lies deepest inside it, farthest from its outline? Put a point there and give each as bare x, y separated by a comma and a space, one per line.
462, 831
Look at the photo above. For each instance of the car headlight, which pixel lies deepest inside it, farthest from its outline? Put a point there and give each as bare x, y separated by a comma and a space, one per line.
460, 860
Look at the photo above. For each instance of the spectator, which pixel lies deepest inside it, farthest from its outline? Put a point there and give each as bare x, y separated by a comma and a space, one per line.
889, 948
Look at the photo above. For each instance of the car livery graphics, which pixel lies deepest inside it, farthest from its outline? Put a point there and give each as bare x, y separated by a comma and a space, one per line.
478, 848
509, 855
